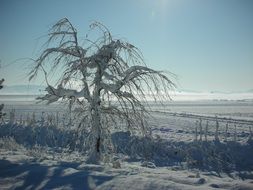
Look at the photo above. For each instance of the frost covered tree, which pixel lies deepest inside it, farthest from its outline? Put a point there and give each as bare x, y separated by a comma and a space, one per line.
1, 83
2, 105
105, 80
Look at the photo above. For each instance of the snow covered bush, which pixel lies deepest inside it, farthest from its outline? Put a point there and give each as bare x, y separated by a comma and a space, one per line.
9, 143
105, 81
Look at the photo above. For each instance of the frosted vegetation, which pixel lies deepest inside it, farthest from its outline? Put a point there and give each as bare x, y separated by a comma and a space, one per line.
2, 105
183, 152
98, 110
209, 142
105, 83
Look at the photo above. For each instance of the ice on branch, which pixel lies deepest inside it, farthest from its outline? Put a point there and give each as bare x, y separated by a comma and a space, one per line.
114, 82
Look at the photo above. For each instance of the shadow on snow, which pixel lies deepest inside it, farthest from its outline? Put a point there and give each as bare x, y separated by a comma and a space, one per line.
40, 176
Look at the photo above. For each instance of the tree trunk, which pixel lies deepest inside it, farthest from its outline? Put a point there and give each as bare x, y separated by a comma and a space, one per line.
96, 145
96, 119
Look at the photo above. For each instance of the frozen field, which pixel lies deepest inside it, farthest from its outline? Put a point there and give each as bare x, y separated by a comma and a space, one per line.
184, 152
229, 108
174, 120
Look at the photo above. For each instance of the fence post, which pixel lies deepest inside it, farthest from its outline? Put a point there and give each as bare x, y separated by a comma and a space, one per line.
200, 129
216, 137
235, 134
250, 133
196, 131
226, 132
206, 130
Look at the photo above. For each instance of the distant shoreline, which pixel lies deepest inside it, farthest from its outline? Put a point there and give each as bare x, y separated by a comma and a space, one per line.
175, 97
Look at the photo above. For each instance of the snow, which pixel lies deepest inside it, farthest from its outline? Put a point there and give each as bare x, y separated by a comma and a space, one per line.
27, 173
41, 157
193, 96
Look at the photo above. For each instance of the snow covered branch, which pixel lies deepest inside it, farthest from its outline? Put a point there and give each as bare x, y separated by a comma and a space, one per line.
110, 75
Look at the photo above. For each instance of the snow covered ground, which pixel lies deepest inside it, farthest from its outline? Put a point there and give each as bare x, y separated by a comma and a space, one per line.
22, 171
181, 155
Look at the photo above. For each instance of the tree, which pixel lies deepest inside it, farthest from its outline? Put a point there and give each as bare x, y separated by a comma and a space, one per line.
2, 105
105, 79
1, 83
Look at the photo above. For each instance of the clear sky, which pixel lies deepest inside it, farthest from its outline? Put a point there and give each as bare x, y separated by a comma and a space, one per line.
208, 44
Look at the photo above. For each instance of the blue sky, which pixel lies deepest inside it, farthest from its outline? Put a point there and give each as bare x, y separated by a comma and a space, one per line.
208, 44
